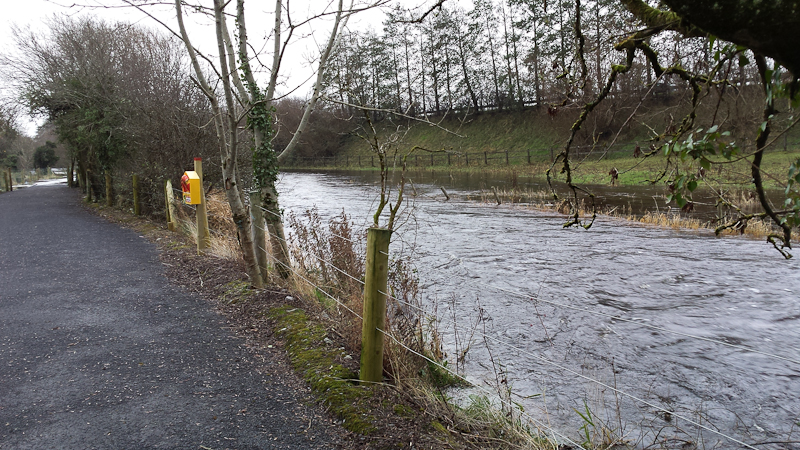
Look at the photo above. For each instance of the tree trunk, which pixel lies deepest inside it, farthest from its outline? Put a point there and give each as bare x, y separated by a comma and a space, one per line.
277, 237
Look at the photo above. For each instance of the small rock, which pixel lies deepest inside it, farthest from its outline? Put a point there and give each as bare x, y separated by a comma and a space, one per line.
289, 298
348, 357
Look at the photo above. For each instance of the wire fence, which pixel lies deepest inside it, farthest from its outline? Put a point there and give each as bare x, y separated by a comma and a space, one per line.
511, 346
544, 426
488, 158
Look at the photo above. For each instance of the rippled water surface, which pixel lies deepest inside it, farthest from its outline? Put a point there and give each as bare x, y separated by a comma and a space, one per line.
571, 314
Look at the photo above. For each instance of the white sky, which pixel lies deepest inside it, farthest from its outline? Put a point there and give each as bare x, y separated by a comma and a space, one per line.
34, 13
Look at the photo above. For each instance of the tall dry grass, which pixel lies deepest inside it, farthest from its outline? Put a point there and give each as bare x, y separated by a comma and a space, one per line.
222, 230
330, 258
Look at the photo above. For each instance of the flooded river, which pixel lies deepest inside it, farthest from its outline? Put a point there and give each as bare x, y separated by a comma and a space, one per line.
625, 320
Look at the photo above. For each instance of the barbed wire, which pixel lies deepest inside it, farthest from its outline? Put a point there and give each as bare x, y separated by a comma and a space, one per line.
553, 303
523, 351
515, 347
510, 404
544, 360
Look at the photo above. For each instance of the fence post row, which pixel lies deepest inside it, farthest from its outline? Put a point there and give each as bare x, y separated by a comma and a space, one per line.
203, 238
376, 279
259, 236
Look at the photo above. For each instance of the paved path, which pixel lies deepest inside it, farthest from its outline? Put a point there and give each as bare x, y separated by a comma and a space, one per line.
97, 350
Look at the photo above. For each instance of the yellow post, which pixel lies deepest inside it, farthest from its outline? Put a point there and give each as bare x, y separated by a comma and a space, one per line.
137, 208
376, 279
203, 238
259, 236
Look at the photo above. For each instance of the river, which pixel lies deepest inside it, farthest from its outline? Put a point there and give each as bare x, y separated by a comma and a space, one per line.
624, 319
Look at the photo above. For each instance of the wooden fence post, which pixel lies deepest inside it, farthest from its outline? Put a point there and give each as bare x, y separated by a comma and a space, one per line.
486, 158
109, 193
376, 279
466, 158
431, 159
529, 157
170, 206
448, 159
259, 236
203, 238
137, 207
88, 185
506, 157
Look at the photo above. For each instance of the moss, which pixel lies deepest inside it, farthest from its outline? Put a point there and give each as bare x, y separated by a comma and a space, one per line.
236, 291
440, 377
404, 411
177, 245
331, 382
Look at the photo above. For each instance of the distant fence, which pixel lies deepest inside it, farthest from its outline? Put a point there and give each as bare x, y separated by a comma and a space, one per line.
494, 158
438, 159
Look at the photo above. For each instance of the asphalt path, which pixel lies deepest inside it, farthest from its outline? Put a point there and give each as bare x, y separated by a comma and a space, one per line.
98, 350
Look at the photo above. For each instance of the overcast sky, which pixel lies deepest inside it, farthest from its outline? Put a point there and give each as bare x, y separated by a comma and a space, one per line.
34, 13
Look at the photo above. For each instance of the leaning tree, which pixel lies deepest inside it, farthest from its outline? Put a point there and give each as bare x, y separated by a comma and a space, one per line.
735, 31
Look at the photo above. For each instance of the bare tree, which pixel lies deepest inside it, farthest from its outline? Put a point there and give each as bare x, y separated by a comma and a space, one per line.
243, 101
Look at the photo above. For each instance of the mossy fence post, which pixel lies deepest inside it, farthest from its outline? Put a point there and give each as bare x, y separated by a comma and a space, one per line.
259, 236
137, 207
203, 238
170, 206
109, 191
376, 278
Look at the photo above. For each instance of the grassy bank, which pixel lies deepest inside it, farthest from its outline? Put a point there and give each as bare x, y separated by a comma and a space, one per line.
526, 142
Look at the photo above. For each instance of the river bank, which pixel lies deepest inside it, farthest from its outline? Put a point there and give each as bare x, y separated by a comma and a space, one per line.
638, 202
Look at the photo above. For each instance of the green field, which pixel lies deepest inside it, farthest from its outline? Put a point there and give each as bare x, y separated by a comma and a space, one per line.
525, 143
